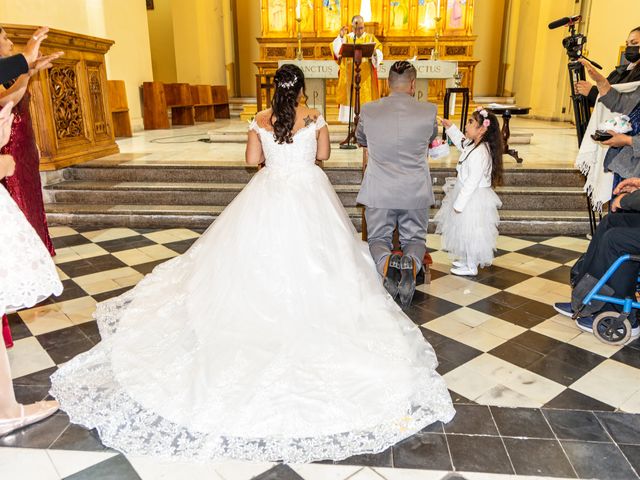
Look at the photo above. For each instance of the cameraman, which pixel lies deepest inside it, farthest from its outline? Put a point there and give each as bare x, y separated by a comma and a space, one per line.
622, 74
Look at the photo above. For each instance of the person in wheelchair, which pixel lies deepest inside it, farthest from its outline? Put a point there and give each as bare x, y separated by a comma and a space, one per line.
617, 234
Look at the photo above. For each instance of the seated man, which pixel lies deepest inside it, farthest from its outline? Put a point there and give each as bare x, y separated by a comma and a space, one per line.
617, 234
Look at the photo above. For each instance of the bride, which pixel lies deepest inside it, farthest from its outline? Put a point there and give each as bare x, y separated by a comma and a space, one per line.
272, 338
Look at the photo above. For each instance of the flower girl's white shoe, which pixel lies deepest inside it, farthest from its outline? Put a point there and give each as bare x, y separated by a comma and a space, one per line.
465, 270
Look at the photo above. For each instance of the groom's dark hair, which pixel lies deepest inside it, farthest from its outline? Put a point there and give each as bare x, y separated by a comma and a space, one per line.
402, 72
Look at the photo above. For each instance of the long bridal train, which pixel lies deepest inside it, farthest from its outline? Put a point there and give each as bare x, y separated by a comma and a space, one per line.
272, 338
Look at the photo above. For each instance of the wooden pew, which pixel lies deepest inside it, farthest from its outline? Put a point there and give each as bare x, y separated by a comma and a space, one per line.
220, 101
154, 105
203, 103
119, 108
179, 100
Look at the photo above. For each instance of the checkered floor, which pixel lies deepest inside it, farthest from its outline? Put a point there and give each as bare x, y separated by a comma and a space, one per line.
498, 339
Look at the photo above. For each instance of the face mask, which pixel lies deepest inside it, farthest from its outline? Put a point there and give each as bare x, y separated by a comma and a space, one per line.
632, 53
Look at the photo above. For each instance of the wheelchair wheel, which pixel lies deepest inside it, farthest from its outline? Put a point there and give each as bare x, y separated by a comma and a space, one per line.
604, 330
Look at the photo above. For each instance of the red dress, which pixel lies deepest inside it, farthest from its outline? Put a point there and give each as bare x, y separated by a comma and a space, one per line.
24, 185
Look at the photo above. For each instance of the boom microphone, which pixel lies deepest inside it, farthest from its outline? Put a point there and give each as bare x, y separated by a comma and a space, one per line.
561, 22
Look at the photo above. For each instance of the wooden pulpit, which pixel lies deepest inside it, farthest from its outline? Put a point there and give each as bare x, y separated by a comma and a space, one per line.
69, 106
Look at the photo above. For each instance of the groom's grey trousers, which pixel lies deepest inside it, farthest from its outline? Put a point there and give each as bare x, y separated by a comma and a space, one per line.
412, 229
396, 187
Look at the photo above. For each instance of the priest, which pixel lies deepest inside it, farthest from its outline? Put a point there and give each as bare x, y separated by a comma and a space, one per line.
369, 79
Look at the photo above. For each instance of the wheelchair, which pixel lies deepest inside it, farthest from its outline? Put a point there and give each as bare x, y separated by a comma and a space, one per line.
590, 295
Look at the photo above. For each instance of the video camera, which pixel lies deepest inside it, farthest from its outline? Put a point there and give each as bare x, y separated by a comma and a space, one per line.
574, 43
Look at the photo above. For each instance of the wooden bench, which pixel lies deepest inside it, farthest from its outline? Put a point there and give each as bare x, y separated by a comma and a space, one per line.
119, 108
220, 101
179, 100
154, 106
203, 106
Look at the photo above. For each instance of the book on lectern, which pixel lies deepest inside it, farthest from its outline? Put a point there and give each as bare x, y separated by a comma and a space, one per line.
347, 49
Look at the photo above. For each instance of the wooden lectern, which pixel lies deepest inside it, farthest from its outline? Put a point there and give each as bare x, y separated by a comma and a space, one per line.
357, 51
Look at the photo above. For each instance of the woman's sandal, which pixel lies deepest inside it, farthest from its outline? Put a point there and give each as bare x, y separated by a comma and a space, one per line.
46, 409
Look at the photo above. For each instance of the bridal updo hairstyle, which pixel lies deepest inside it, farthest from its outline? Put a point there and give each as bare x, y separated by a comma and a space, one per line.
288, 80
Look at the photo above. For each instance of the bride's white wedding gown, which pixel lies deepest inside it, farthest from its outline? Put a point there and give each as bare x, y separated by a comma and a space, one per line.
272, 338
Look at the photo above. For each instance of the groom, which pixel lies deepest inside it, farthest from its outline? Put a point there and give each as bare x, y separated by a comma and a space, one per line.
396, 188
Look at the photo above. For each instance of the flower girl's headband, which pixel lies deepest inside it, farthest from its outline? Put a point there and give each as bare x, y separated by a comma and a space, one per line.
484, 114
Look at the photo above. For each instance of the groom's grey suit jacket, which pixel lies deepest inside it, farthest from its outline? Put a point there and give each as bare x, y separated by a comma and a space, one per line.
397, 131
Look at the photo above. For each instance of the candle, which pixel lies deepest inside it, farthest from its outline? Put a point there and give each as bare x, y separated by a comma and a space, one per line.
438, 8
365, 10
298, 9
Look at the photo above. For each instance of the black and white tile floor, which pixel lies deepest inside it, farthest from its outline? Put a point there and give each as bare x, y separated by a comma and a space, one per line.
535, 396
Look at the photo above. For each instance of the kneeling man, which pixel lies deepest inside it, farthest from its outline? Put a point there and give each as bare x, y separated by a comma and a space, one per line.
396, 189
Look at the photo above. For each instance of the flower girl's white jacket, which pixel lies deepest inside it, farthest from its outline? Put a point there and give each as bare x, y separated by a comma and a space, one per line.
474, 166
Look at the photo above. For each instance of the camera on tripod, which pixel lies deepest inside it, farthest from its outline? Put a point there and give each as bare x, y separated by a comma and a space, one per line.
574, 43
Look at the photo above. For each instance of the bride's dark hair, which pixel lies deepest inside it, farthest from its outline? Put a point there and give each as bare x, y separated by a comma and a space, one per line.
288, 81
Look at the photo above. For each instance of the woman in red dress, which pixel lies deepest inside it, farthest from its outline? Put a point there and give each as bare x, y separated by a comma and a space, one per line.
24, 186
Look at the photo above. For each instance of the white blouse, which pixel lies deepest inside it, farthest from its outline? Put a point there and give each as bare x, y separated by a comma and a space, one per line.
474, 166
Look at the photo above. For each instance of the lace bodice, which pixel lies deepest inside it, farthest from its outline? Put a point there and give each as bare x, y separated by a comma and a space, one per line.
300, 153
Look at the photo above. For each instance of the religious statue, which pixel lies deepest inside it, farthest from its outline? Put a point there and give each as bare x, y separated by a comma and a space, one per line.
278, 15
455, 14
400, 18
369, 79
331, 12
306, 24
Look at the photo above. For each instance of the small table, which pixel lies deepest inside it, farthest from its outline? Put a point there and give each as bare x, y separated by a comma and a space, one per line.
507, 112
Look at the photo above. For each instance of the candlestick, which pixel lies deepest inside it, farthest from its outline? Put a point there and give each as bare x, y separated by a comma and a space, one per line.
299, 52
434, 53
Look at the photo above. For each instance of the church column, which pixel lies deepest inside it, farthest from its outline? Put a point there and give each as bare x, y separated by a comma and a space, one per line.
536, 70
249, 29
163, 52
199, 39
130, 57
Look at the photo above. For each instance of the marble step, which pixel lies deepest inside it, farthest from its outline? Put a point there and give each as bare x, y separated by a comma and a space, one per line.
500, 100
238, 173
206, 193
337, 133
225, 173
513, 222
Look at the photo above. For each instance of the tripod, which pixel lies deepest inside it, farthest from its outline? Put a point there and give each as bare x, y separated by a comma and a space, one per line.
582, 114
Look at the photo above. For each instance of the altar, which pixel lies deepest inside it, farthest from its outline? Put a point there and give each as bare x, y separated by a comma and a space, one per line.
427, 31
318, 72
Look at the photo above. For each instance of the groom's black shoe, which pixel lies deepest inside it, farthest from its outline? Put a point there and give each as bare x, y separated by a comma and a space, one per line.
407, 286
392, 275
